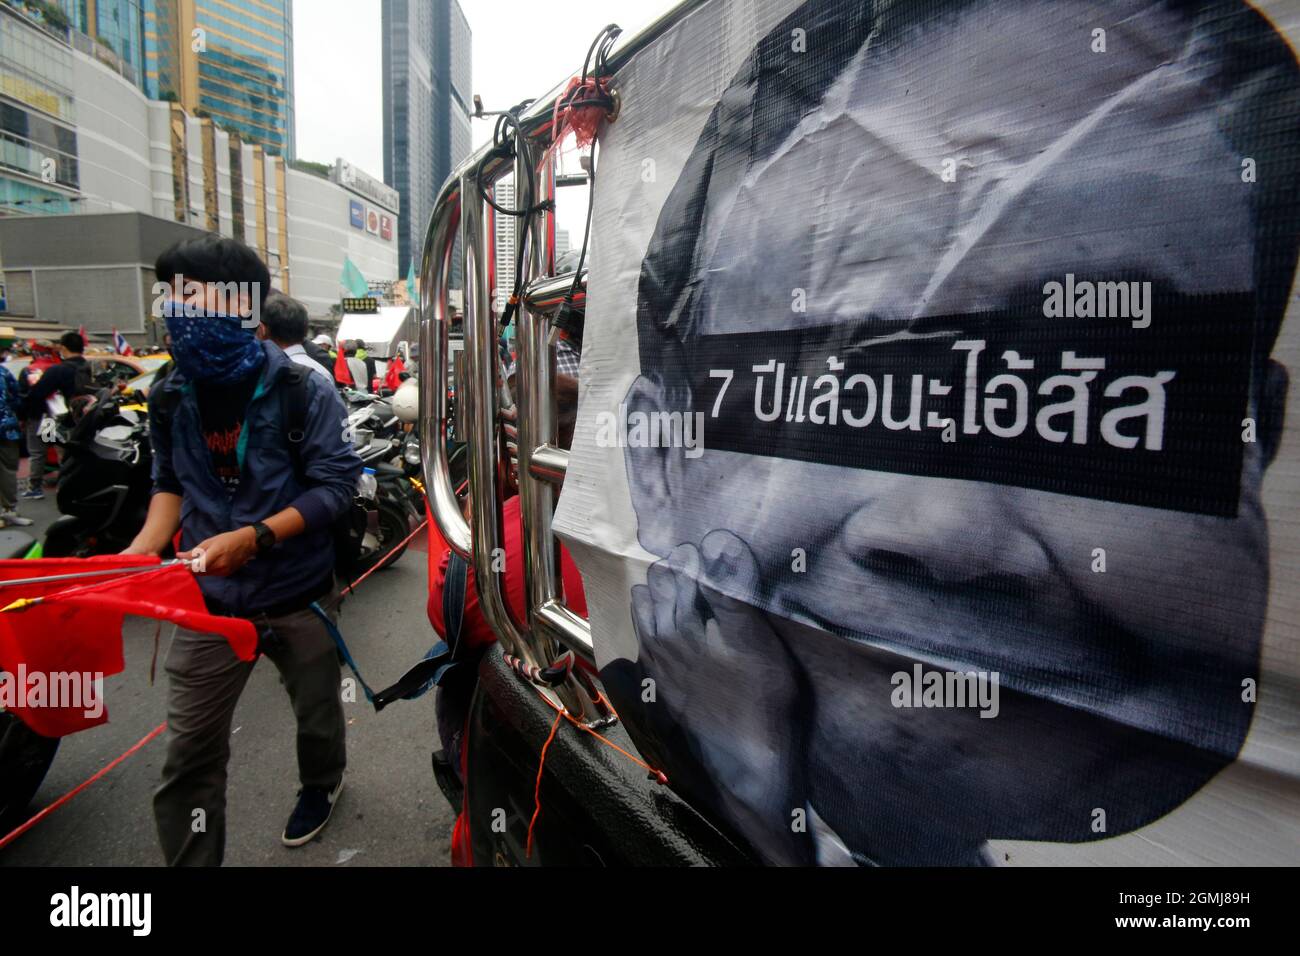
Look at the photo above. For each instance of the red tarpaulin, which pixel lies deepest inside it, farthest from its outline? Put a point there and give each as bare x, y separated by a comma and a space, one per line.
75, 633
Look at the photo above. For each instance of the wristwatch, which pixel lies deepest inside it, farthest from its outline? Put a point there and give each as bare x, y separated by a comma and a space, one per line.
265, 537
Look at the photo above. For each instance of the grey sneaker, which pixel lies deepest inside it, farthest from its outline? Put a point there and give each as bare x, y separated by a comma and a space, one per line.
13, 519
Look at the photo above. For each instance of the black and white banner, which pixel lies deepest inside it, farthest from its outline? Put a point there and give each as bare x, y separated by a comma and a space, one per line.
935, 481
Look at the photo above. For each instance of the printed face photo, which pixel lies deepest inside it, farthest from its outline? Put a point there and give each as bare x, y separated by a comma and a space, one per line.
984, 364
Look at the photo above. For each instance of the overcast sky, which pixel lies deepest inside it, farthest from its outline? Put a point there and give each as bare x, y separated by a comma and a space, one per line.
337, 50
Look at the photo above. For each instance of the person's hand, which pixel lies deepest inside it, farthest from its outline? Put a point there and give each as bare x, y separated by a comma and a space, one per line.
723, 675
138, 547
223, 554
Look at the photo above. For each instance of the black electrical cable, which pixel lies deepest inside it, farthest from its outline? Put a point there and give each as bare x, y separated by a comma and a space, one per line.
600, 48
566, 318
505, 135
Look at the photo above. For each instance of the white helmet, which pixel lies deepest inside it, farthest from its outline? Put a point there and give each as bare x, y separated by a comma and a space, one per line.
406, 401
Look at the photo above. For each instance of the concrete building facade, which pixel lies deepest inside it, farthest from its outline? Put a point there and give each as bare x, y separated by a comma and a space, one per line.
348, 215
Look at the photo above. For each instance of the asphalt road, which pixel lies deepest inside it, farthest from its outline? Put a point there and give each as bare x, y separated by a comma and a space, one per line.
391, 812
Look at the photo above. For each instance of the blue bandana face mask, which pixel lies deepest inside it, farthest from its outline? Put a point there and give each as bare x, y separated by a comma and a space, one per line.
209, 347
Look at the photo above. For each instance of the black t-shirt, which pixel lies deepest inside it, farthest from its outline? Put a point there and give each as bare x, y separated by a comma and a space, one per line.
221, 413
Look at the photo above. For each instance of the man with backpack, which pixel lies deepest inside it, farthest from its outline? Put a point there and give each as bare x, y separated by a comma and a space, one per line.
284, 322
250, 447
69, 378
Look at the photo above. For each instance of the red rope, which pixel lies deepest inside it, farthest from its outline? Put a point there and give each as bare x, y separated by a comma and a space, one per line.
659, 775
537, 790
24, 827
388, 557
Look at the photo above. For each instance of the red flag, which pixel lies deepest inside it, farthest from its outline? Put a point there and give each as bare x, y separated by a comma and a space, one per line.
393, 375
342, 374
54, 651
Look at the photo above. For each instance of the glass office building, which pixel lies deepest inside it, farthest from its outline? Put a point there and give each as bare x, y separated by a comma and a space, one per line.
427, 92
112, 27
39, 172
228, 59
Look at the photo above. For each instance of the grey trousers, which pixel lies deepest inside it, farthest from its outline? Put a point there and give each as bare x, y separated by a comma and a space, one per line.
205, 681
36, 450
8, 475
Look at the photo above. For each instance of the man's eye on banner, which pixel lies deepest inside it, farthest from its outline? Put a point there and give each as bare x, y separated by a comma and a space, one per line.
977, 321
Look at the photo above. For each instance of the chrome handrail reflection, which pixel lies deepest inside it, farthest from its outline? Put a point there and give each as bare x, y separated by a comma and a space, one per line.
459, 213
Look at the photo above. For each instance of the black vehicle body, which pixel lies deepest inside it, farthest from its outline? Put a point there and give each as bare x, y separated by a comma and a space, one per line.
25, 756
598, 809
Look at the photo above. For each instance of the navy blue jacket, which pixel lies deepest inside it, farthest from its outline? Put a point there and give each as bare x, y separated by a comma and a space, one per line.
60, 377
182, 465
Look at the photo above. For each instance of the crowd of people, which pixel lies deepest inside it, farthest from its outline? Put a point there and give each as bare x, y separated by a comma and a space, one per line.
26, 400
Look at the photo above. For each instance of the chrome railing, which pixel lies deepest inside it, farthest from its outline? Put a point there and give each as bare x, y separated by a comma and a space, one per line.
550, 627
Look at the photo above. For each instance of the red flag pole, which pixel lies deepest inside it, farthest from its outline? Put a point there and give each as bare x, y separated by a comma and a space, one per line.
93, 574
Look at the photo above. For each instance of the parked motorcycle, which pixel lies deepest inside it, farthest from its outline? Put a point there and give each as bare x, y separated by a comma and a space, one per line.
105, 480
396, 507
387, 497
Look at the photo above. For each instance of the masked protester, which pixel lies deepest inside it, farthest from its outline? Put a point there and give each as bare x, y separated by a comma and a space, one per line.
257, 524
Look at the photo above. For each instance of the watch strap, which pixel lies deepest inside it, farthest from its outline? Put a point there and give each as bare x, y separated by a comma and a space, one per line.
265, 537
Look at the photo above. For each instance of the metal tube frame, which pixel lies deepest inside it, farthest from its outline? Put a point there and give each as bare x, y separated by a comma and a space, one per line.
550, 625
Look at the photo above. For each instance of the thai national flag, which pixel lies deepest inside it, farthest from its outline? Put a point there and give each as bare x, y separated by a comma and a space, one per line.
120, 345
